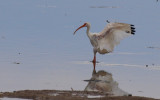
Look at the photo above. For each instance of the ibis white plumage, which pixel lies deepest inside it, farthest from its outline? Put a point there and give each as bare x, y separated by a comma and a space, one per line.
105, 41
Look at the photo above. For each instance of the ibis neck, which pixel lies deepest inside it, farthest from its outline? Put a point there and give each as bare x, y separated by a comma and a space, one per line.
88, 33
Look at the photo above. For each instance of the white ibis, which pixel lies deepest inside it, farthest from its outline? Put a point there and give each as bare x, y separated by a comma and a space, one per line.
105, 41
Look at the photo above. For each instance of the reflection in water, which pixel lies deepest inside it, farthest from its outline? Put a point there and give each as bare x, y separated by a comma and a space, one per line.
102, 81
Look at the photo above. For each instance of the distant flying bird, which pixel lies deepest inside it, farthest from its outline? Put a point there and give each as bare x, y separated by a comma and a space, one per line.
105, 41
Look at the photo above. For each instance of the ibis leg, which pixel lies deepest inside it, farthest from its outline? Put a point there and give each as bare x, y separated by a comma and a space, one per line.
94, 66
94, 58
94, 61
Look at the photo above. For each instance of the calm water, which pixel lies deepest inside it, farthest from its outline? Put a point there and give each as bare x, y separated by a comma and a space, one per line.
38, 49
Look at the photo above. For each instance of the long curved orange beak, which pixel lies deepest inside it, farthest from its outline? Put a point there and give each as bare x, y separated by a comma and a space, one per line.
79, 28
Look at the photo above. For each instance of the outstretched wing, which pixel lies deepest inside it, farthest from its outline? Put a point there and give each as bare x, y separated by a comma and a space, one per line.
113, 33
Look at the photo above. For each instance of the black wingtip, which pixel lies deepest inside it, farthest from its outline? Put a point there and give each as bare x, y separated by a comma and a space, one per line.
133, 29
133, 33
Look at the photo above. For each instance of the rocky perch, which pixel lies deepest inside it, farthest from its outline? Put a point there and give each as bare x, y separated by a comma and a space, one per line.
66, 95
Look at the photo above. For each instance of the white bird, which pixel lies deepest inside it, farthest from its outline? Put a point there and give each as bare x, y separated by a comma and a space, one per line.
105, 41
